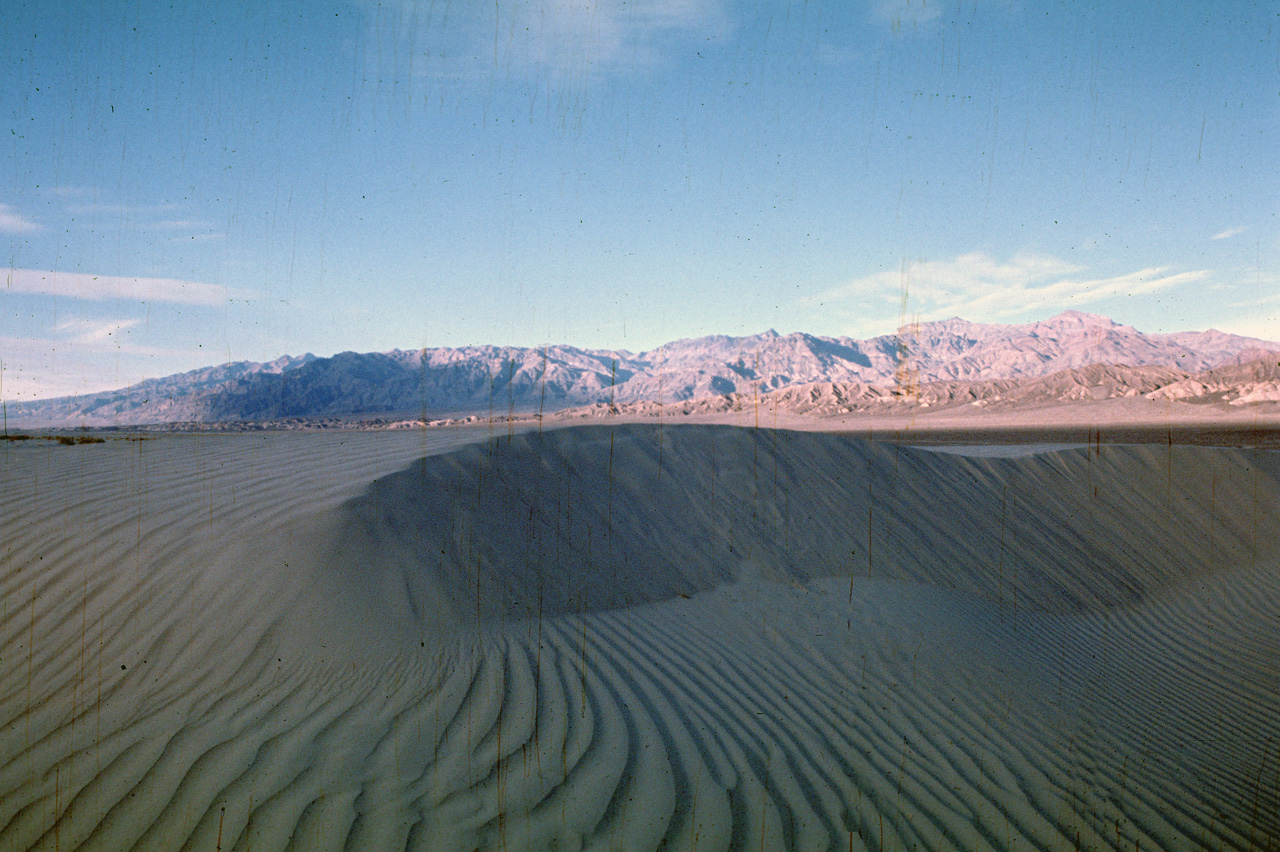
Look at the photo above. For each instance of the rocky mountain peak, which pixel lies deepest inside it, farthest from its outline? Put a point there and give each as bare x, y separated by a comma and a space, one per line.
480, 379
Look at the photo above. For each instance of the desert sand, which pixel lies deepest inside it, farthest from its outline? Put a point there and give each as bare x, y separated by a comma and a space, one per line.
638, 636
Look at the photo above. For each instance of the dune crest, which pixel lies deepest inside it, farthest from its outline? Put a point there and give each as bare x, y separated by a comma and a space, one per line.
598, 518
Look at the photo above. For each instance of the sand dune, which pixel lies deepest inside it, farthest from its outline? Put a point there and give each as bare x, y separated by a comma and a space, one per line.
636, 638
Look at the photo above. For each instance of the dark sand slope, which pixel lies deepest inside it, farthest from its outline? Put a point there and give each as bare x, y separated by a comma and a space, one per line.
628, 638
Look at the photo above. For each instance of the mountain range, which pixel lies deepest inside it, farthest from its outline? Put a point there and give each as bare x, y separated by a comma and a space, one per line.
480, 380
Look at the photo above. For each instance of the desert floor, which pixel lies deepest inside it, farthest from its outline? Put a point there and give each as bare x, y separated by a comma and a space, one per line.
638, 636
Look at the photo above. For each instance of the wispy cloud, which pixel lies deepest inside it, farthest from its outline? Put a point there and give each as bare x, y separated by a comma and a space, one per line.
1228, 233
978, 287
12, 223
163, 217
907, 14
179, 224
111, 209
72, 191
550, 39
562, 35
198, 238
1253, 289
87, 332
80, 285
924, 16
839, 55
81, 356
1273, 299
104, 335
32, 369
1264, 325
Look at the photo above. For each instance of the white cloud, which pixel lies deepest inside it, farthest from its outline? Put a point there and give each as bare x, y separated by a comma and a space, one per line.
12, 223
977, 287
1228, 233
80, 285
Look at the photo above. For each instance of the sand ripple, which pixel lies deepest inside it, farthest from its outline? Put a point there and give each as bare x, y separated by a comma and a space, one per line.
746, 640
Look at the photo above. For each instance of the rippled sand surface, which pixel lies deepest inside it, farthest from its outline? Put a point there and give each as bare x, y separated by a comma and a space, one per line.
697, 637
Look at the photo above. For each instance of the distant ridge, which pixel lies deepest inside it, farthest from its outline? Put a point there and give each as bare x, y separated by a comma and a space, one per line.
1235, 385
484, 380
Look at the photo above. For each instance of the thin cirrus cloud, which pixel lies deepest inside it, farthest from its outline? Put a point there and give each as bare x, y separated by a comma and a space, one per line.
910, 13
110, 209
611, 32
81, 285
80, 356
1228, 233
179, 224
924, 16
978, 287
110, 335
554, 39
13, 223
89, 332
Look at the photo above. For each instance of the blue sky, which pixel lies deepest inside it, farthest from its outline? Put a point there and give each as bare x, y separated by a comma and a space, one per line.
185, 184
